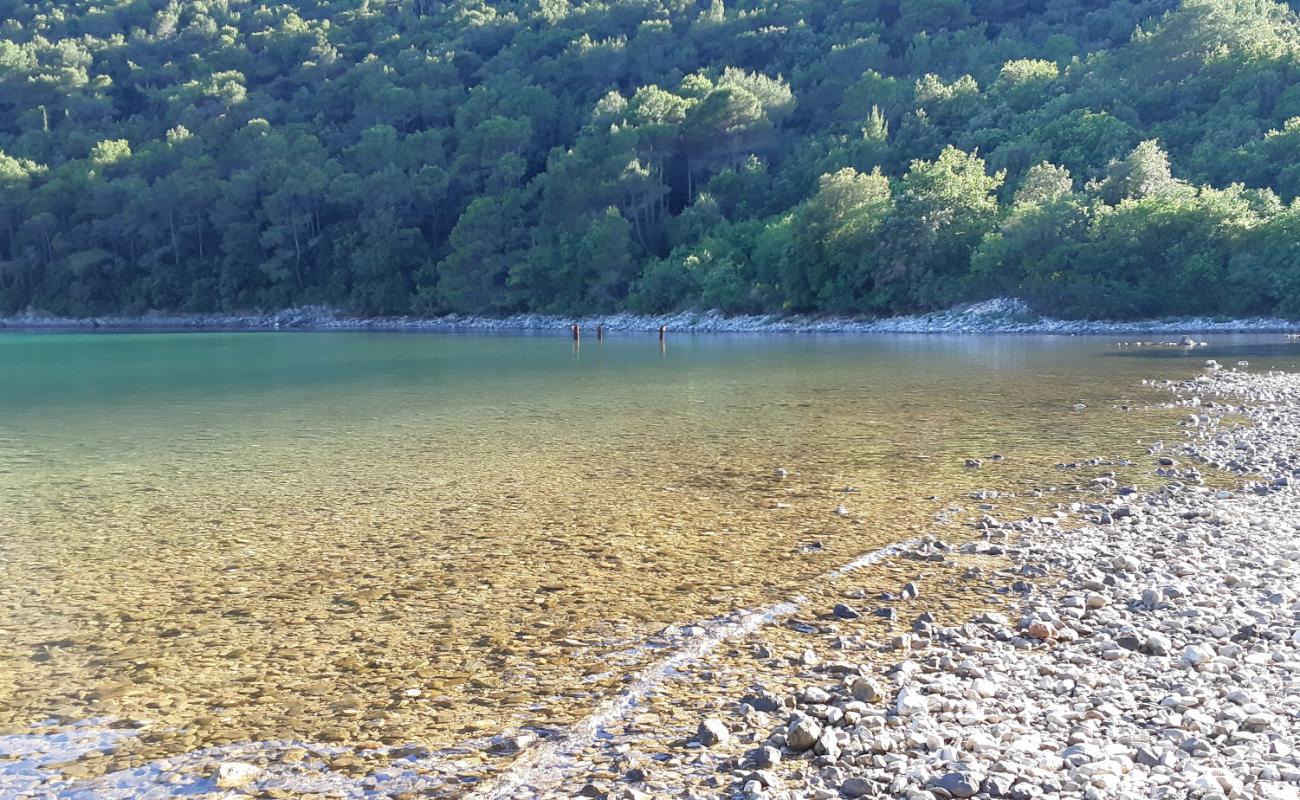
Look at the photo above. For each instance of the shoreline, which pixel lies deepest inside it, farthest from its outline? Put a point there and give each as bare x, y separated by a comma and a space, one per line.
1000, 316
1151, 652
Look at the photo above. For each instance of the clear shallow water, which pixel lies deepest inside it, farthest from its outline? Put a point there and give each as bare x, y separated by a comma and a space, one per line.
362, 538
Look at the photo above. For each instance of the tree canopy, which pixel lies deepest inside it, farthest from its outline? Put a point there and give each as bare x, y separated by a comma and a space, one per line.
1100, 159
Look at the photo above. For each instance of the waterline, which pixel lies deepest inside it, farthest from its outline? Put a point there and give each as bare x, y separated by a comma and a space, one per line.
30, 757
546, 761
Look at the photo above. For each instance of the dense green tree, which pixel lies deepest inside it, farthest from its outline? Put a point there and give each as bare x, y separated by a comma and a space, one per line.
489, 239
1097, 158
1144, 173
837, 234
1025, 83
944, 209
1043, 183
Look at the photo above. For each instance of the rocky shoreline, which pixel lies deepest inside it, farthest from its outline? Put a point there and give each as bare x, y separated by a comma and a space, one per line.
1154, 652
1002, 315
1151, 651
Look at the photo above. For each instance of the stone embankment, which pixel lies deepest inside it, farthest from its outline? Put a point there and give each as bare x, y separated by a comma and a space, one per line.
1000, 315
1155, 652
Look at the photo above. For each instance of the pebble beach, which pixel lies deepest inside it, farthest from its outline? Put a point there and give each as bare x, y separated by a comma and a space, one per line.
1155, 651
1150, 651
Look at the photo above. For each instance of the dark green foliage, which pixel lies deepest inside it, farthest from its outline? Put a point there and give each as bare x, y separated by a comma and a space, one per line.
1119, 159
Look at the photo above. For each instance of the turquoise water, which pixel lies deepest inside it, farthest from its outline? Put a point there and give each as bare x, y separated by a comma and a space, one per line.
232, 532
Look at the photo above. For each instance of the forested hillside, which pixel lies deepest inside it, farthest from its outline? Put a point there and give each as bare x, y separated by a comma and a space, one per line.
1128, 158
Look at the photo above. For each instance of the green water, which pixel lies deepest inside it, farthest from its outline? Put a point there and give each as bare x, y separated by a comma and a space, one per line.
259, 535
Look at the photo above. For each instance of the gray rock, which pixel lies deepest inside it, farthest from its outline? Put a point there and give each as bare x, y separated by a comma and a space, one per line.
767, 778
713, 732
1158, 644
957, 784
762, 701
803, 735
865, 690
1024, 791
843, 611
827, 745
997, 785
1129, 641
1197, 655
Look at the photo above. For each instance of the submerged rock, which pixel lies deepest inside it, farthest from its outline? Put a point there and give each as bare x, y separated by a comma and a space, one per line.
843, 611
235, 774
